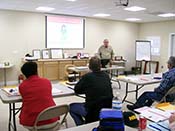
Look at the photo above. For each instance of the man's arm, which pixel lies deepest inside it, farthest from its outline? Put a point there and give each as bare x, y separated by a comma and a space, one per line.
80, 86
112, 54
99, 52
166, 83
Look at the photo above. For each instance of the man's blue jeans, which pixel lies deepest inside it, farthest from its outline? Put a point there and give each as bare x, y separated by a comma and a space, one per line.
78, 113
147, 99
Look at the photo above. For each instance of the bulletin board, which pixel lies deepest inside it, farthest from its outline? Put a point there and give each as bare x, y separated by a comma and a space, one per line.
143, 50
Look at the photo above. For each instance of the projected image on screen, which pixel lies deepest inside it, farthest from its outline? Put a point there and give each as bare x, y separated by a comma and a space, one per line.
65, 32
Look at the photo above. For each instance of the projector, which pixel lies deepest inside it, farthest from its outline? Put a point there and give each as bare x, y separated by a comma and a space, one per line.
122, 3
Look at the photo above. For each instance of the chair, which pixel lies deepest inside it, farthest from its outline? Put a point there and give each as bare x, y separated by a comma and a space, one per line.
170, 92
70, 75
52, 112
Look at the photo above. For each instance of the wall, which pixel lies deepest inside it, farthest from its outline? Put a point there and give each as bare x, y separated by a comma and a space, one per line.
21, 32
162, 29
122, 36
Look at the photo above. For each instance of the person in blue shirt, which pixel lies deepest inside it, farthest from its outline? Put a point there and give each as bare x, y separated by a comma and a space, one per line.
168, 81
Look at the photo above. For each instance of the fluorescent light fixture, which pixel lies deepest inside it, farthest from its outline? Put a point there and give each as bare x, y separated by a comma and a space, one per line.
134, 8
133, 19
167, 15
102, 15
44, 8
71, 0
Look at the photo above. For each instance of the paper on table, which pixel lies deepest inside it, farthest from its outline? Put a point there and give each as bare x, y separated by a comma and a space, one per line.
56, 91
140, 110
160, 126
132, 78
153, 114
11, 90
166, 107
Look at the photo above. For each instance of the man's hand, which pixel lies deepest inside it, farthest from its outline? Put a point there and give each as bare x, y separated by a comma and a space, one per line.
110, 63
172, 118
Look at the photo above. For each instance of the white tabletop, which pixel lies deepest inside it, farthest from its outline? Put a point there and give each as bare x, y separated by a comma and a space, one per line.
2, 66
65, 91
86, 69
140, 79
113, 67
118, 61
90, 126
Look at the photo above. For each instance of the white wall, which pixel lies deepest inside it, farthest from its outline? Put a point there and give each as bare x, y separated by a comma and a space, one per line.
162, 29
21, 32
122, 36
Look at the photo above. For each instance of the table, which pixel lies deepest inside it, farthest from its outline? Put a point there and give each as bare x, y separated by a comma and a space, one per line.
11, 100
90, 126
113, 71
4, 69
80, 69
139, 81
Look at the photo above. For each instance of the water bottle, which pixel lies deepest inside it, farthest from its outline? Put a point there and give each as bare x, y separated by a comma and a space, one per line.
117, 102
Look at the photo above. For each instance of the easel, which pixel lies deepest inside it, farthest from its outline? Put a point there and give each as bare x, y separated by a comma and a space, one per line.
144, 64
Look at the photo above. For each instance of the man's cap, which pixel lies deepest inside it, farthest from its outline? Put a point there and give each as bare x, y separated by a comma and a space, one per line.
130, 119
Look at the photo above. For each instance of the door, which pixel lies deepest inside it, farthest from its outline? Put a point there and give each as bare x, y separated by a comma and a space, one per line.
172, 45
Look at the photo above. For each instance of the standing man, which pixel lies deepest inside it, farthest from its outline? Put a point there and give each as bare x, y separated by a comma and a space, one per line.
106, 53
96, 85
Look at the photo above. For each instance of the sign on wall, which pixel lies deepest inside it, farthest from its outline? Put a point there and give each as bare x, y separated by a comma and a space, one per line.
143, 50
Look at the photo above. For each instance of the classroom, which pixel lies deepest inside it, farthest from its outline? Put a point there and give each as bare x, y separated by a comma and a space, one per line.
24, 30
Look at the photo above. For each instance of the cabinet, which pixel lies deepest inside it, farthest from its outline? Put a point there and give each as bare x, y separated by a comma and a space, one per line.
61, 69
54, 69
80, 62
50, 70
40, 68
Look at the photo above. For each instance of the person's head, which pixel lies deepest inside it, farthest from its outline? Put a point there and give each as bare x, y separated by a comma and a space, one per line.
29, 69
171, 62
106, 42
95, 64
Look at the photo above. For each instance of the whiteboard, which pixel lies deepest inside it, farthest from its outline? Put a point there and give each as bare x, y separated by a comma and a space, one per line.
143, 50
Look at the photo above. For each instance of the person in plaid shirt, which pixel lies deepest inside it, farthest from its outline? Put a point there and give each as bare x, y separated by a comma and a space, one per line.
168, 81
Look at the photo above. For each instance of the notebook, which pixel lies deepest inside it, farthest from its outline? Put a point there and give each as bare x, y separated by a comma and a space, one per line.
166, 107
11, 90
160, 126
153, 114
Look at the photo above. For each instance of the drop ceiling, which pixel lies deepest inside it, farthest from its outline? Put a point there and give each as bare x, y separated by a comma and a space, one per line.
88, 8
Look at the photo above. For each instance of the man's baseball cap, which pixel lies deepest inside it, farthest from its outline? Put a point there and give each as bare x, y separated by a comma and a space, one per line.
130, 119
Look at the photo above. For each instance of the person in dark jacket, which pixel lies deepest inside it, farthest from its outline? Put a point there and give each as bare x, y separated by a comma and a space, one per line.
168, 81
96, 86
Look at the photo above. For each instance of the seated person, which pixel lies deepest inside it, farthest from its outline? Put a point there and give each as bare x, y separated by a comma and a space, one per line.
168, 81
96, 86
36, 96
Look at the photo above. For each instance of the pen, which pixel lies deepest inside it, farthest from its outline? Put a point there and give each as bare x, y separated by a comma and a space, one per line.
155, 127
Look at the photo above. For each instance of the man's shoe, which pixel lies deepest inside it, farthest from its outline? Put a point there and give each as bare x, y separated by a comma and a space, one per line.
131, 107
